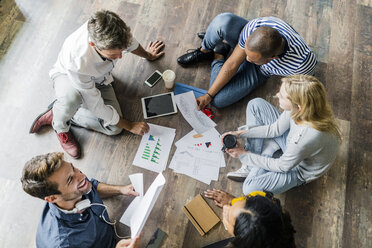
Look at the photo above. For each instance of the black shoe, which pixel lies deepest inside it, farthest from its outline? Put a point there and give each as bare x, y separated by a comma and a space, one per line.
201, 35
222, 48
195, 56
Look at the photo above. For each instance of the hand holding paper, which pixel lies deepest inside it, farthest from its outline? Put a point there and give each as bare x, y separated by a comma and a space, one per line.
198, 120
129, 190
139, 210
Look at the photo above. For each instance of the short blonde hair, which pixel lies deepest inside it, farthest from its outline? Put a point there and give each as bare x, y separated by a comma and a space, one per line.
36, 173
310, 94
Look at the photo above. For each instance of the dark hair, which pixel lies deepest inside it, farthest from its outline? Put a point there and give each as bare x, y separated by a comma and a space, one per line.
263, 224
266, 41
36, 173
108, 31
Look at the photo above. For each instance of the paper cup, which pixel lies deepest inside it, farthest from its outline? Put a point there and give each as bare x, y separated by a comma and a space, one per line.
169, 76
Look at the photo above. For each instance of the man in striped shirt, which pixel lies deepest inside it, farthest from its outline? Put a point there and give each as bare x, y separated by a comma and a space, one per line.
263, 47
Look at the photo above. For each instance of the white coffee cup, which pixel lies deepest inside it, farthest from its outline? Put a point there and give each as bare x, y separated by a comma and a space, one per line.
169, 76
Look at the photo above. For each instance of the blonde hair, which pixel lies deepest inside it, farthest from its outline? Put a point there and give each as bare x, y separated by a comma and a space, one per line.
309, 93
36, 173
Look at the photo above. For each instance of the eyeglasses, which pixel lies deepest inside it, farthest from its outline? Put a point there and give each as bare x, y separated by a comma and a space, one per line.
252, 194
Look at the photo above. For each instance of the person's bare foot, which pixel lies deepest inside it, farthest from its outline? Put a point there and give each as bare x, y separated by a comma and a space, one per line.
220, 197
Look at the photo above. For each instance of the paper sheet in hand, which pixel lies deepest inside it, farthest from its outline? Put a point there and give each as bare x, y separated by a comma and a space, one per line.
139, 210
186, 103
137, 182
153, 151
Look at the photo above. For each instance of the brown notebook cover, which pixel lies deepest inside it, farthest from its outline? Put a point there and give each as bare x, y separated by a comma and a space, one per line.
200, 214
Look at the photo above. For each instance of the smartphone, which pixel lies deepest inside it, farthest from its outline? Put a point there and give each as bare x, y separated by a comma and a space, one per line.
154, 78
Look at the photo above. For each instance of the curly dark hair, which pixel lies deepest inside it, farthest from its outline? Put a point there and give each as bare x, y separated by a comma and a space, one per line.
264, 224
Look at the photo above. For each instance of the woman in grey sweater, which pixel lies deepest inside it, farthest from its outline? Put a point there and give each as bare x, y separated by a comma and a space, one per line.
306, 132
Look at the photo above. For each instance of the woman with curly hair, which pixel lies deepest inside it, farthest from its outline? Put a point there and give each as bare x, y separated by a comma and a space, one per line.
255, 220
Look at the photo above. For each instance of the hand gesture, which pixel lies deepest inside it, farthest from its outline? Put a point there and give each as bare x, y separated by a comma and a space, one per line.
129, 243
220, 197
139, 128
203, 101
236, 151
154, 49
128, 190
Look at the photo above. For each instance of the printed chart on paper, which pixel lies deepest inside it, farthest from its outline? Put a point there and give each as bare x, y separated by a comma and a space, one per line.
153, 151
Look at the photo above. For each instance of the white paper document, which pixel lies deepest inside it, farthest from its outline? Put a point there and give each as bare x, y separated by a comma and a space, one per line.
140, 208
153, 151
186, 103
137, 182
208, 144
199, 156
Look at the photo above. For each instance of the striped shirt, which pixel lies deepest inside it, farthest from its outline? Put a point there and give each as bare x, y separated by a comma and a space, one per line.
297, 57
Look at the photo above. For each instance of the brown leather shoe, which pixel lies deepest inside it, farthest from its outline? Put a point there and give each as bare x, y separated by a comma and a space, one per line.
69, 144
44, 119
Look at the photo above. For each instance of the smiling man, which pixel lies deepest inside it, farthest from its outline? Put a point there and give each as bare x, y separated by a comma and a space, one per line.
263, 47
82, 78
63, 222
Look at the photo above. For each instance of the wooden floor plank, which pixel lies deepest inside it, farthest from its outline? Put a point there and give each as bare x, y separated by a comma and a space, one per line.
333, 211
340, 59
358, 218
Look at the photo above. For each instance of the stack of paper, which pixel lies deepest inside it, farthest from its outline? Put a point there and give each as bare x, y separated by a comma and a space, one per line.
199, 156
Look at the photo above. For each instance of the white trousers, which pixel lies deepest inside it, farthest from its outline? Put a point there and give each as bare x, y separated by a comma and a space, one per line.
69, 109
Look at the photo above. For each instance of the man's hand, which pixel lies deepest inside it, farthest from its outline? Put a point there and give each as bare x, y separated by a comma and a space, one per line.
220, 197
203, 101
236, 151
128, 190
134, 127
139, 128
154, 50
129, 243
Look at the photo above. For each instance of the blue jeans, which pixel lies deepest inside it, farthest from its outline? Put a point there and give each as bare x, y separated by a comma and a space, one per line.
227, 27
259, 113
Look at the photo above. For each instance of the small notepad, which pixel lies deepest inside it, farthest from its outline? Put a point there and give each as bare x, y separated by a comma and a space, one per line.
201, 215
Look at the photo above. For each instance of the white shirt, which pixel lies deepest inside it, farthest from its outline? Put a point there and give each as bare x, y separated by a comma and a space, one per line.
85, 68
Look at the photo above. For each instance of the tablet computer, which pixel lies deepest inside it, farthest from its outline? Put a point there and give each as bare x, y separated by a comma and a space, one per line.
158, 105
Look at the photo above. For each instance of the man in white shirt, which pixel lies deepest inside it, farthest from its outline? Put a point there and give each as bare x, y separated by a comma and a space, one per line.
82, 80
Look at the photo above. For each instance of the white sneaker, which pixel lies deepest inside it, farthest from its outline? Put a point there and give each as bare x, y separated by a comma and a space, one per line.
239, 175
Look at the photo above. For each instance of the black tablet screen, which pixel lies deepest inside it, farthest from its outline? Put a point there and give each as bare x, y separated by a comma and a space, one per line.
159, 105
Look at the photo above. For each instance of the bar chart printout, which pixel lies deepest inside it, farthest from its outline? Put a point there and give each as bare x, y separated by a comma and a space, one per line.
153, 151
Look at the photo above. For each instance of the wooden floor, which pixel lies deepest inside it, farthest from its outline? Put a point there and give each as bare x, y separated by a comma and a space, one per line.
334, 211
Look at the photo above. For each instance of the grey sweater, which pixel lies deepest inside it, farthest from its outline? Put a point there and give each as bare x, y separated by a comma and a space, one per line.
309, 151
